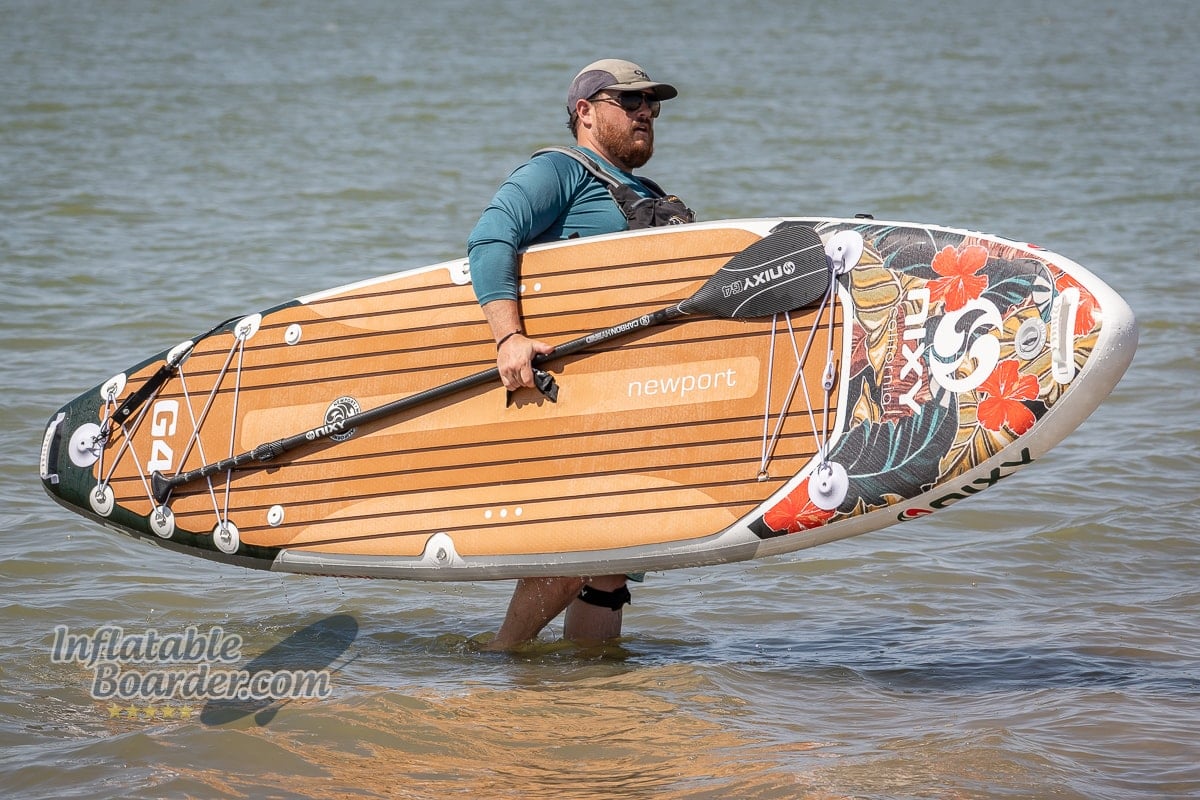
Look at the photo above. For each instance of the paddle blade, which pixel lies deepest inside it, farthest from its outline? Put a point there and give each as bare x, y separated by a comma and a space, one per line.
785, 270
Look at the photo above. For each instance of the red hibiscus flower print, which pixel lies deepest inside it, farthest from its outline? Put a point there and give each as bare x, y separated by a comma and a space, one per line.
959, 284
1004, 390
796, 512
1085, 313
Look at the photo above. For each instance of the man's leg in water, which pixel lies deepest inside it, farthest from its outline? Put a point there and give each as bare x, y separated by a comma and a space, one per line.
537, 601
534, 603
587, 622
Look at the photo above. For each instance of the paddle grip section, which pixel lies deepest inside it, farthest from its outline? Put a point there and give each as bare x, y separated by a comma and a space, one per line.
269, 451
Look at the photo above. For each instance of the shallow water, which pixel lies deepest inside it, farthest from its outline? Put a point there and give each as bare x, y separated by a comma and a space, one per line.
166, 167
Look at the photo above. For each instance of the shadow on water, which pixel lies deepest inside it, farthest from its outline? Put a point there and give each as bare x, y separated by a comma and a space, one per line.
299, 663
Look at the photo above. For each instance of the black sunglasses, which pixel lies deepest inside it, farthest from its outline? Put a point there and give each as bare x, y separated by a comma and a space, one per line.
632, 101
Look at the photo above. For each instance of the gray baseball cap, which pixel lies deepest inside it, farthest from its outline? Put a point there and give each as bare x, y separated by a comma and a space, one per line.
613, 73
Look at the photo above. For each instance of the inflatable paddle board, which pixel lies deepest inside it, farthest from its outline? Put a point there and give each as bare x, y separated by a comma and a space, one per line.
722, 391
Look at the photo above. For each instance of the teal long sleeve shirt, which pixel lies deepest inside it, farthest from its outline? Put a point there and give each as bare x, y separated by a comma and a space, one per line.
550, 197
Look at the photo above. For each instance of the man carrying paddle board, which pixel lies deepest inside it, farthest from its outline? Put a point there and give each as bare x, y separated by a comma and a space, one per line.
558, 194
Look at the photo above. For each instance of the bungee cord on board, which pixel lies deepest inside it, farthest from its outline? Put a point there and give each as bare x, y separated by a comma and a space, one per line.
771, 437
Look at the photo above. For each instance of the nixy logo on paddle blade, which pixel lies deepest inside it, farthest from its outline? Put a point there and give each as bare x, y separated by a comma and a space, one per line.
761, 278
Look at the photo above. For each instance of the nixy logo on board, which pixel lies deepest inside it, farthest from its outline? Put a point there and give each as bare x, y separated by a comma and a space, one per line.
964, 491
338, 413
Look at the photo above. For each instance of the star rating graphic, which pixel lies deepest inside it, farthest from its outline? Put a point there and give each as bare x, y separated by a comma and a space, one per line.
149, 713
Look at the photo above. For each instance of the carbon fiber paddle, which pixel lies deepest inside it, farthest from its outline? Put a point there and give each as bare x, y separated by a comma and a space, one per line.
783, 271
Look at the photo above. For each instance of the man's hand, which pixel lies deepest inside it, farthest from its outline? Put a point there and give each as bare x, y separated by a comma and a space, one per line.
514, 360
515, 351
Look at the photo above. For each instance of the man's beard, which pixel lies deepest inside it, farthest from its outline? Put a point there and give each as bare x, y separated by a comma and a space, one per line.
618, 141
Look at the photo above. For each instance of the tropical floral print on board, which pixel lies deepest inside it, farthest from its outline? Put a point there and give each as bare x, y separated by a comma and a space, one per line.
939, 381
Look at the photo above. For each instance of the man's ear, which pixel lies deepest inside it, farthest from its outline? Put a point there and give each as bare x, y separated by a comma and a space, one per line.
585, 110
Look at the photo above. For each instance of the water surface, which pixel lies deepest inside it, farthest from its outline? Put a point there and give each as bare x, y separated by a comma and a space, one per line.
167, 166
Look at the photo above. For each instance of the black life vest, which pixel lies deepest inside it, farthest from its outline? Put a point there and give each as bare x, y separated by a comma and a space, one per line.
640, 212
